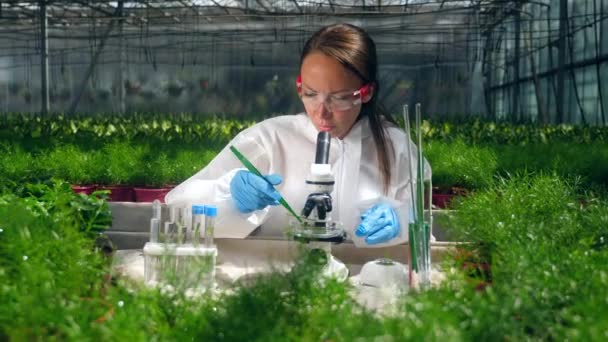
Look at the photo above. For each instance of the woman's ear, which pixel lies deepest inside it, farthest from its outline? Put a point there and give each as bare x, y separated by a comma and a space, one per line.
368, 93
299, 84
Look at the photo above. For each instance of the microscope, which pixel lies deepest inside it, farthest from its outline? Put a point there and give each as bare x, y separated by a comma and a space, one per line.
316, 230
317, 224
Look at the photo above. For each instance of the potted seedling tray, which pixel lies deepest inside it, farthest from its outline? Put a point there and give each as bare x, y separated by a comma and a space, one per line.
150, 194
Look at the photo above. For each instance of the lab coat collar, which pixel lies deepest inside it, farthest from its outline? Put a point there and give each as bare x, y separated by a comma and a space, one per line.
359, 132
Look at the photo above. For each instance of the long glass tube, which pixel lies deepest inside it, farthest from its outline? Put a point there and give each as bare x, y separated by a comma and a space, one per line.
210, 215
423, 229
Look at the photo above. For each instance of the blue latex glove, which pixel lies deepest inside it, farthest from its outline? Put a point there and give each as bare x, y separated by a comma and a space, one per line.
379, 224
250, 192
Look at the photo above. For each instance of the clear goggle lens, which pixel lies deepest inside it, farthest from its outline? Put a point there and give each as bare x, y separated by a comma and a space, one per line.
335, 102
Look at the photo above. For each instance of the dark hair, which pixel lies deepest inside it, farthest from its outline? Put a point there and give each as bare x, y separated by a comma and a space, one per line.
356, 51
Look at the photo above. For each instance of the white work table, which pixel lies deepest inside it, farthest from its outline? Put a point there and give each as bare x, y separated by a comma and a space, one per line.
244, 259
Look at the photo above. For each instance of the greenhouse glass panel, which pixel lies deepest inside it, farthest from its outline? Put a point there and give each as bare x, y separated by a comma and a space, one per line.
546, 91
528, 102
602, 7
589, 94
604, 94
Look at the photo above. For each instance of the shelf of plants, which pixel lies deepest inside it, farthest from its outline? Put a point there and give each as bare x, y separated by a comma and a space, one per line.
155, 152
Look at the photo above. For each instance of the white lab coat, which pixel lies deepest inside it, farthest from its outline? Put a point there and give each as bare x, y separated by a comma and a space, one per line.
286, 145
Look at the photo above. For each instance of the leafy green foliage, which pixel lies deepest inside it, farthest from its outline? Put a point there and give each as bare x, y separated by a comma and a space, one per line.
458, 165
152, 149
546, 240
487, 132
544, 263
70, 163
280, 306
161, 128
548, 250
587, 161
113, 163
17, 165
50, 273
118, 162
55, 198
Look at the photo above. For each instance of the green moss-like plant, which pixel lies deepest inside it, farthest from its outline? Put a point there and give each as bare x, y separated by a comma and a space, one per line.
459, 165
69, 163
588, 161
543, 258
118, 162
52, 277
549, 252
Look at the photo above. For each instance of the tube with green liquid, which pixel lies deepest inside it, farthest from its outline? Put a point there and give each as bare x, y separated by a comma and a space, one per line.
255, 171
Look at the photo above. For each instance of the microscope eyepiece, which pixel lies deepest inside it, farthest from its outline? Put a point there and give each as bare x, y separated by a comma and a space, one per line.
323, 141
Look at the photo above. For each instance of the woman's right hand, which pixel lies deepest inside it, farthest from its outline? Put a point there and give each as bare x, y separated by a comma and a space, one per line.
251, 192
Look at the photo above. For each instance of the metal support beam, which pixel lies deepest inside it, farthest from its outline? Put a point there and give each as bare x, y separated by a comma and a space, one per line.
190, 6
516, 69
551, 72
488, 77
540, 108
562, 115
121, 66
94, 60
221, 6
44, 58
598, 49
295, 2
331, 5
259, 2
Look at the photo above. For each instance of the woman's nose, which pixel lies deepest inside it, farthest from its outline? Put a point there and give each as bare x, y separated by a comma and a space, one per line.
325, 109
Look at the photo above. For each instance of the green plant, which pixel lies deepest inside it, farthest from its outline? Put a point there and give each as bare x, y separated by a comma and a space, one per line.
588, 161
55, 197
543, 260
153, 170
188, 161
549, 252
16, 164
118, 161
52, 276
69, 163
456, 164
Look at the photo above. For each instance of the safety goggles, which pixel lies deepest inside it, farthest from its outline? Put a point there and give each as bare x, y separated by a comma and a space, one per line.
335, 102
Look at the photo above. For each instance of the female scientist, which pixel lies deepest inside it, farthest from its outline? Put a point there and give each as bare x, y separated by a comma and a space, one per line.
338, 86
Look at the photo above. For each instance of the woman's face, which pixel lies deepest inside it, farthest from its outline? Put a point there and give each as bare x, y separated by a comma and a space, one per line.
326, 86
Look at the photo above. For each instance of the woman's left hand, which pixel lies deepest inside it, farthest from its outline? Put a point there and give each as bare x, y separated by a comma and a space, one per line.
379, 224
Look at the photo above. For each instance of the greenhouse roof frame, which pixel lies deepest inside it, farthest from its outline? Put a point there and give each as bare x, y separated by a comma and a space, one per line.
158, 12
250, 21
421, 29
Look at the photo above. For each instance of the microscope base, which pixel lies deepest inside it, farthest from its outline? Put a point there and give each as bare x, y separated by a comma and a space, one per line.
305, 237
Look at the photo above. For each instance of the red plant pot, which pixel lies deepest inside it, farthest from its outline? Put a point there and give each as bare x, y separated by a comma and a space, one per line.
83, 189
119, 193
442, 201
150, 194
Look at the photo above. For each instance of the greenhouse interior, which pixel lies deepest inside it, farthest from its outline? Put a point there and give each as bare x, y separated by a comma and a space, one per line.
298, 170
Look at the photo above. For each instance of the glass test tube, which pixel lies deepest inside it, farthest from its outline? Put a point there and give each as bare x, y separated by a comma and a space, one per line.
155, 221
154, 229
210, 215
179, 225
156, 209
169, 236
198, 212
